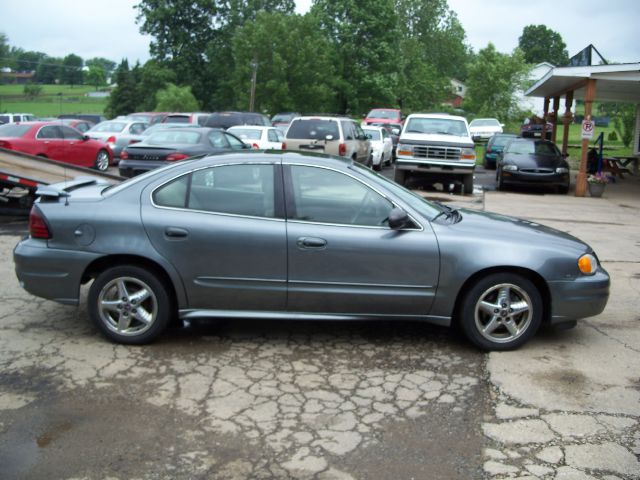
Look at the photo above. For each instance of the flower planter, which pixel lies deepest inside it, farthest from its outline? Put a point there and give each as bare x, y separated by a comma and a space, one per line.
596, 189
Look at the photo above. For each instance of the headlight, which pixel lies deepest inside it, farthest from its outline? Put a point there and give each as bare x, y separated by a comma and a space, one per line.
588, 264
404, 149
510, 168
562, 170
468, 154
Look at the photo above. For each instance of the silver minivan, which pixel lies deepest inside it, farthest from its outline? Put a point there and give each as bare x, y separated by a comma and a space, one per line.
16, 117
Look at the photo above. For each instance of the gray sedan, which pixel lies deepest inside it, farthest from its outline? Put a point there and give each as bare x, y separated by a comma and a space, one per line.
299, 236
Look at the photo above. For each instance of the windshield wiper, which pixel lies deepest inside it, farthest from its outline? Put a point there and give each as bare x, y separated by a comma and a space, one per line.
448, 211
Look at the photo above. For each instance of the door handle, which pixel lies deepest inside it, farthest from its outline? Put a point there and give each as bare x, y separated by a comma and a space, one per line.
312, 242
175, 232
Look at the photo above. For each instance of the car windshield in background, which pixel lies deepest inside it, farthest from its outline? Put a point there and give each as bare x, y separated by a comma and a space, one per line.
373, 134
249, 133
110, 127
313, 128
390, 114
530, 148
282, 118
13, 131
485, 122
442, 126
171, 137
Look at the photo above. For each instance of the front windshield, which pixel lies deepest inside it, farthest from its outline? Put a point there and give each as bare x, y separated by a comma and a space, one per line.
387, 114
246, 133
485, 122
427, 209
442, 126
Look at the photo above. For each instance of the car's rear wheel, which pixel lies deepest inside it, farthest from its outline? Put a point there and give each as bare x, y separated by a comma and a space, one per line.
400, 176
129, 304
102, 161
501, 311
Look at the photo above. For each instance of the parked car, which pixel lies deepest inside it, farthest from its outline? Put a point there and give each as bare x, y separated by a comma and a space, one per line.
532, 127
148, 117
339, 136
261, 138
495, 145
16, 117
282, 120
57, 142
195, 118
230, 119
110, 130
89, 117
124, 140
171, 145
384, 115
394, 130
530, 162
436, 147
77, 123
482, 129
381, 146
211, 238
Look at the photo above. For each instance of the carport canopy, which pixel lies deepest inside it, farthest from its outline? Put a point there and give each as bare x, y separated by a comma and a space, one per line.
604, 83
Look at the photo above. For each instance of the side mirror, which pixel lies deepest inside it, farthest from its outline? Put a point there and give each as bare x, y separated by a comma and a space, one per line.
395, 131
246, 146
85, 138
398, 219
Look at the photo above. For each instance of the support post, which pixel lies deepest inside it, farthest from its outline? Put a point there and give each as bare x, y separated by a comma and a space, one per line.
554, 114
545, 115
566, 120
581, 180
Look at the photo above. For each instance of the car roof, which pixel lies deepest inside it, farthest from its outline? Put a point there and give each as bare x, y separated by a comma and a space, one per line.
436, 115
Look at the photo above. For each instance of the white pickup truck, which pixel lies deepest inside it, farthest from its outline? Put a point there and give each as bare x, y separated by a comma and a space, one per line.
437, 148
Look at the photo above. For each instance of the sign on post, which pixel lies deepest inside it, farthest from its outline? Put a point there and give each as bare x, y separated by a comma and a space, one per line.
587, 129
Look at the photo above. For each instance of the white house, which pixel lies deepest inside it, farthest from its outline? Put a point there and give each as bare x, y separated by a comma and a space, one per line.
535, 104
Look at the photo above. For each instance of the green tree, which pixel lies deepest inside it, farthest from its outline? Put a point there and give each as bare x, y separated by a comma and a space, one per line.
72, 73
541, 44
153, 77
107, 66
494, 78
176, 99
27, 61
365, 38
96, 76
49, 70
124, 97
32, 90
5, 50
624, 119
294, 60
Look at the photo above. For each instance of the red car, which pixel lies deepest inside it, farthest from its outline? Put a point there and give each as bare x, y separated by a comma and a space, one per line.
384, 115
56, 141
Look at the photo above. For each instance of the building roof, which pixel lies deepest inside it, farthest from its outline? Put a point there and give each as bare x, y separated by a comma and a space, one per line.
615, 83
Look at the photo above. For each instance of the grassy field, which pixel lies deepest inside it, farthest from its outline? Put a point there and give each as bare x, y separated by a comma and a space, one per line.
52, 101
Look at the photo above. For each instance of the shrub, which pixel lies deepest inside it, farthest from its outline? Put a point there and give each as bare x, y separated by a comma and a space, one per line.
613, 136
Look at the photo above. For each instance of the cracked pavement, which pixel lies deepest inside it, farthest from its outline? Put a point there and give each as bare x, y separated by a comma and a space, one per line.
329, 400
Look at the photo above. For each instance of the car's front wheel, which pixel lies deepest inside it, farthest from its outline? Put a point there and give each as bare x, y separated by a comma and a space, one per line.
501, 311
129, 304
102, 161
467, 184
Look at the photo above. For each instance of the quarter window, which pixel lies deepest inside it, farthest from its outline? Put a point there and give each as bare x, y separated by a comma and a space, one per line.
327, 196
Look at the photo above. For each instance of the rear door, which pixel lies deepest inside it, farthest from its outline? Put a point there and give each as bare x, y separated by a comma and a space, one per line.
344, 259
50, 142
223, 229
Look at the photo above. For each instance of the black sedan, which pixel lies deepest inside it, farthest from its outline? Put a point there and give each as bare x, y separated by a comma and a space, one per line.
532, 162
167, 146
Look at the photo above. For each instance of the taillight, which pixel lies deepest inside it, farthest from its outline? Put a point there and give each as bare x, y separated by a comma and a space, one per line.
111, 141
256, 146
37, 226
124, 155
284, 145
174, 157
342, 149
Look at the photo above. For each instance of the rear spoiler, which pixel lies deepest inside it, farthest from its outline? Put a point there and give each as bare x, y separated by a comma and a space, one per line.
64, 189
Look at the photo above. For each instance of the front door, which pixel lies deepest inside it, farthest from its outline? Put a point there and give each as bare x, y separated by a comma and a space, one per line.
343, 257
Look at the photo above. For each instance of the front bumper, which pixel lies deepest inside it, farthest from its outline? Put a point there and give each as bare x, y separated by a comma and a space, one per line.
50, 273
582, 297
524, 178
435, 166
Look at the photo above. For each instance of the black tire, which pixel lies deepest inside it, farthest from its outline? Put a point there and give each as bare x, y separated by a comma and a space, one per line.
378, 167
500, 182
102, 161
563, 190
467, 184
488, 315
400, 177
119, 306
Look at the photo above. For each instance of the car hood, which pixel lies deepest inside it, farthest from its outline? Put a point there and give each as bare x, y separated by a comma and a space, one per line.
429, 138
534, 161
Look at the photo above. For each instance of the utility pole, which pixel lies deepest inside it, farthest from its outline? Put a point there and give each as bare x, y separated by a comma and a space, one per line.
254, 75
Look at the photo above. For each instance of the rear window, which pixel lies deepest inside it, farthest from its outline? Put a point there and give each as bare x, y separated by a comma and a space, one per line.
174, 136
224, 120
12, 130
313, 128
249, 133
109, 127
380, 113
176, 119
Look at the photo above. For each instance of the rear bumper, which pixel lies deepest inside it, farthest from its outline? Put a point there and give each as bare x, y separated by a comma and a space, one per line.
50, 273
579, 298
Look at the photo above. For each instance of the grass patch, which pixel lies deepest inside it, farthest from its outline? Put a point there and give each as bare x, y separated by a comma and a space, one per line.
52, 101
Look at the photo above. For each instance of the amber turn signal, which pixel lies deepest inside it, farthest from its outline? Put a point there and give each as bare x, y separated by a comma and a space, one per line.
587, 264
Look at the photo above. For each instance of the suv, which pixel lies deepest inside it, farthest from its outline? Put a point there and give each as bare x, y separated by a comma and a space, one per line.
436, 147
16, 117
331, 135
231, 119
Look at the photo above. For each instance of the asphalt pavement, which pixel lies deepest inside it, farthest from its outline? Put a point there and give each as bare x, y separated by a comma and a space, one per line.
332, 400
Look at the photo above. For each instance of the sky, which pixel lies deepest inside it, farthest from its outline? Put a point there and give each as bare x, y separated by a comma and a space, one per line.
107, 28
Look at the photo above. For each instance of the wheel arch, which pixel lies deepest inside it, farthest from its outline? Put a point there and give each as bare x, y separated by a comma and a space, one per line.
530, 275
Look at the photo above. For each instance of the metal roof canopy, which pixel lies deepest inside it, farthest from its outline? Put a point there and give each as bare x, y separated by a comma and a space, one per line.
615, 83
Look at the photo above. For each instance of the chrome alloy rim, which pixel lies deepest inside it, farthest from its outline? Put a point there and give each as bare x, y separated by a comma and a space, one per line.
503, 313
103, 161
127, 306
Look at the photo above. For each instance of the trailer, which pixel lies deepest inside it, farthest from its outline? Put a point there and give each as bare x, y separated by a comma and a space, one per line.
21, 175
